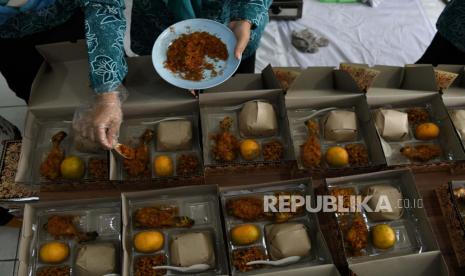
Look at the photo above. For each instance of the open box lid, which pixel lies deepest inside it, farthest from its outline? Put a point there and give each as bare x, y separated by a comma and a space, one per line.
245, 82
429, 262
316, 82
62, 83
454, 95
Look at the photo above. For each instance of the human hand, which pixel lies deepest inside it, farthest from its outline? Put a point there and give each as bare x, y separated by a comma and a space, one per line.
101, 122
242, 31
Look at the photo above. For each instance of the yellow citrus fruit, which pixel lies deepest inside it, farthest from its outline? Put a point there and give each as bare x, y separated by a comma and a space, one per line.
337, 156
427, 131
54, 252
383, 236
148, 241
245, 234
72, 167
163, 165
250, 149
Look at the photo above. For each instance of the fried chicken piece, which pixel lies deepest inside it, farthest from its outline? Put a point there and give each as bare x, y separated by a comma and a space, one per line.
161, 216
50, 167
226, 144
139, 165
421, 153
63, 226
311, 150
280, 217
246, 208
357, 235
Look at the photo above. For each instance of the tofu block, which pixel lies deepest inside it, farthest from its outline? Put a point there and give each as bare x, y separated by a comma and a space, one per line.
392, 125
458, 118
192, 248
287, 239
258, 119
96, 259
174, 135
341, 126
391, 194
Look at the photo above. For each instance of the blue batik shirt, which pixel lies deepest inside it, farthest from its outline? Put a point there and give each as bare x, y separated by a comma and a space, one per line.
451, 23
105, 26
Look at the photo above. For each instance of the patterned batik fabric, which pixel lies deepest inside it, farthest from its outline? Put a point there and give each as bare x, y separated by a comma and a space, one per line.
451, 23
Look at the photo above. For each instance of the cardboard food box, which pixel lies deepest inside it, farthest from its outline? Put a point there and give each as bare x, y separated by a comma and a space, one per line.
100, 215
317, 261
404, 88
416, 251
313, 96
215, 107
197, 203
62, 84
248, 82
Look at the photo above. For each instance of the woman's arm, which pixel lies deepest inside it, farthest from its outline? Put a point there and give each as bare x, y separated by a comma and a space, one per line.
105, 26
254, 11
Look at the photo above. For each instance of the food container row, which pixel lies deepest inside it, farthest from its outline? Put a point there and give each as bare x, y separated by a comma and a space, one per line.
200, 230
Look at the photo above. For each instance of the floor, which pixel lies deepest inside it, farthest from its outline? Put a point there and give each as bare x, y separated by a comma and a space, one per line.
14, 110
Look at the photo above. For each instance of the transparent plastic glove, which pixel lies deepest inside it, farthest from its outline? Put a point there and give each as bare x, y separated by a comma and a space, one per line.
242, 31
100, 121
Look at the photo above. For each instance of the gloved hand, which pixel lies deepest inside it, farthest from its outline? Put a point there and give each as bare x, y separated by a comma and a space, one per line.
242, 31
100, 122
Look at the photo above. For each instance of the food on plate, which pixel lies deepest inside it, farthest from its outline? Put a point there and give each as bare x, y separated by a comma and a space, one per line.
459, 193
143, 265
421, 153
245, 234
249, 149
341, 126
54, 271
187, 55
226, 144
444, 79
417, 115
96, 259
273, 151
188, 249
242, 256
337, 157
362, 76
392, 125
311, 150
285, 77
251, 208
72, 167
50, 167
63, 226
383, 236
98, 168
246, 208
345, 194
458, 118
163, 166
356, 236
384, 192
148, 241
139, 166
258, 119
174, 135
188, 164
161, 216
53, 252
358, 155
427, 131
287, 239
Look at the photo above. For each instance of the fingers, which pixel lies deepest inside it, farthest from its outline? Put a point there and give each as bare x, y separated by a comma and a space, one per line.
242, 31
112, 135
101, 134
242, 42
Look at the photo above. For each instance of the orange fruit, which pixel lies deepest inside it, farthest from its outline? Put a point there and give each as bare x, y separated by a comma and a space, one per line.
250, 149
54, 252
72, 167
163, 166
383, 236
148, 241
427, 131
245, 234
337, 156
